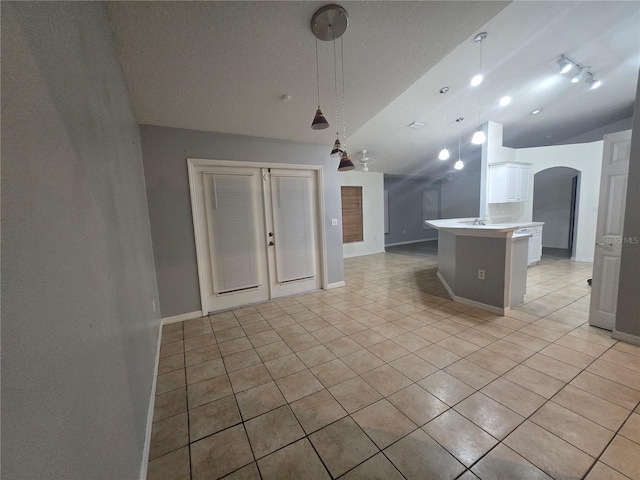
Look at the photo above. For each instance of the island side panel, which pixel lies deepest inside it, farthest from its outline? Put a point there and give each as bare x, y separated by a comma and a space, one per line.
519, 260
481, 253
447, 257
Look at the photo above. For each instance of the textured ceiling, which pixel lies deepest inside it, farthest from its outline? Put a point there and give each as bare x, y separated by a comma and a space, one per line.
223, 66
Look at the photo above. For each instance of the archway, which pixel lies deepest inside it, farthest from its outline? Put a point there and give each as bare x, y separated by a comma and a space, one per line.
555, 202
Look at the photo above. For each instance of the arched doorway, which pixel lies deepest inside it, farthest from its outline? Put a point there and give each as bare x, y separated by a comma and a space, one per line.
555, 202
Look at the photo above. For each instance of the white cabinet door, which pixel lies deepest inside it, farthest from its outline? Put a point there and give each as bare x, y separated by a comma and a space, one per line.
509, 182
535, 248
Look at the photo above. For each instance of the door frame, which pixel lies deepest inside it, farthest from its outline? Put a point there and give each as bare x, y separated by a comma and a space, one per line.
192, 168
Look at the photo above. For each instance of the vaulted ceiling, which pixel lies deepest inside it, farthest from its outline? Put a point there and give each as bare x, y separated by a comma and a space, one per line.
225, 67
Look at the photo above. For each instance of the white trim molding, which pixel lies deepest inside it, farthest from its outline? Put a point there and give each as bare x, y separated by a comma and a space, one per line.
182, 317
335, 285
625, 337
410, 241
152, 404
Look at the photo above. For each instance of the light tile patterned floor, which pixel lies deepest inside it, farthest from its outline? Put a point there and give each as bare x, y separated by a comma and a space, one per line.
386, 378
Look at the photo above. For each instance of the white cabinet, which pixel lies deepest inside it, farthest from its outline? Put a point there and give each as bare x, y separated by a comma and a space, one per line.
535, 247
509, 182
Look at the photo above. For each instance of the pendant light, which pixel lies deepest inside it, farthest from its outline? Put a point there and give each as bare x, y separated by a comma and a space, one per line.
319, 122
444, 153
459, 165
336, 151
345, 162
479, 137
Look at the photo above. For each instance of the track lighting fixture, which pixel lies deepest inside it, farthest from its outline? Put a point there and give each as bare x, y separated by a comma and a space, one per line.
583, 73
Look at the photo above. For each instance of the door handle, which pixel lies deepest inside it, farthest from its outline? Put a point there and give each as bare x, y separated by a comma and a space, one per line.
271, 243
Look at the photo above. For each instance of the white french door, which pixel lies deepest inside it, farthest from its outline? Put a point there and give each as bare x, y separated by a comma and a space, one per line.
257, 232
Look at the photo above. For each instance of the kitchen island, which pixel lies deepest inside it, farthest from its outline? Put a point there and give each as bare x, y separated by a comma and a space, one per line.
483, 265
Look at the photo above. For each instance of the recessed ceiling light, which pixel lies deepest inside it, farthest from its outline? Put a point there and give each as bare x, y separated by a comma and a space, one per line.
417, 125
536, 111
476, 80
504, 101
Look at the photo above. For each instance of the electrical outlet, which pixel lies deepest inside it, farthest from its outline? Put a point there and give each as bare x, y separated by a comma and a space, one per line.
480, 274
334, 222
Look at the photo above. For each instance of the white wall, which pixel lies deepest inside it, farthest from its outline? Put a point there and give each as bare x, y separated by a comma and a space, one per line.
587, 159
372, 184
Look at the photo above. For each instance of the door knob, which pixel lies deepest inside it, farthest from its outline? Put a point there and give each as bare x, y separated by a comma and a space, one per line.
271, 243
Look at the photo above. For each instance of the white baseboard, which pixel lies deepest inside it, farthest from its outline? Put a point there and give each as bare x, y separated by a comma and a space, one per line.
181, 318
473, 303
411, 241
335, 285
152, 404
625, 337
582, 259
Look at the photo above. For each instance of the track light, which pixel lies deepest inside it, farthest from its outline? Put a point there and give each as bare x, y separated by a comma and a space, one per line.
592, 82
565, 64
582, 73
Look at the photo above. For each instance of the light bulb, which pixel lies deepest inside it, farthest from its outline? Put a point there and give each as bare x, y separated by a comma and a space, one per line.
478, 138
504, 101
458, 165
595, 84
477, 80
444, 154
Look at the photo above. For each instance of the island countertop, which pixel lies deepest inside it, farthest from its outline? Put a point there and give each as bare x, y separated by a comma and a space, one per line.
465, 226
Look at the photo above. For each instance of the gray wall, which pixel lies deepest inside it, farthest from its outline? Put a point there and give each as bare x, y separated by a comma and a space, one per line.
405, 208
552, 204
461, 196
628, 312
79, 335
481, 253
165, 152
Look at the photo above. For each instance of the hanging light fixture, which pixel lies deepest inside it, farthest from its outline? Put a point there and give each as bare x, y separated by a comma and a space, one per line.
459, 165
592, 82
479, 136
565, 64
319, 122
336, 151
444, 153
345, 162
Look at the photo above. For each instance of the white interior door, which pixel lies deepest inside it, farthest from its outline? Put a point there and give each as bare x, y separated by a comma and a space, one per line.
609, 230
257, 233
291, 213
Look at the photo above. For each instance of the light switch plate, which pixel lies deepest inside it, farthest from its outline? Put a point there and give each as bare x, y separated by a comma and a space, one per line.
334, 222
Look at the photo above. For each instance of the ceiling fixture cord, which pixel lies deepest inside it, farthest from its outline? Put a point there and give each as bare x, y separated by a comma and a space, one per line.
336, 151
459, 165
345, 162
319, 122
479, 137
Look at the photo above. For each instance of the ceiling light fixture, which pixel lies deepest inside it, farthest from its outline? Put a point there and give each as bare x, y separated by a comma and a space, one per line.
329, 23
479, 137
565, 64
417, 125
459, 165
504, 101
336, 151
319, 122
536, 111
592, 82
444, 153
345, 162
581, 75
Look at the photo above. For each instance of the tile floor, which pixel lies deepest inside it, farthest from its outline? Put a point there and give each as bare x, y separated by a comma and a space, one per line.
386, 378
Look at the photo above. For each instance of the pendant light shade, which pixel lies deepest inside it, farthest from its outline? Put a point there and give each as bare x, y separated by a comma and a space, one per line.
345, 163
319, 122
478, 138
458, 165
336, 151
444, 154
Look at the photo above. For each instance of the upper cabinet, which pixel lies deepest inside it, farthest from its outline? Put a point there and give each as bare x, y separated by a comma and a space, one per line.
509, 182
